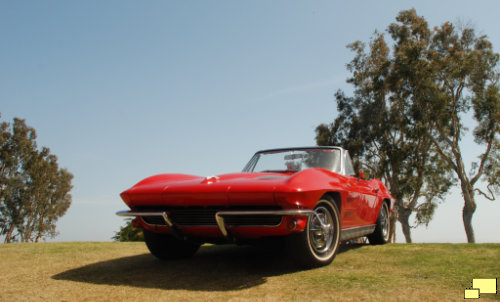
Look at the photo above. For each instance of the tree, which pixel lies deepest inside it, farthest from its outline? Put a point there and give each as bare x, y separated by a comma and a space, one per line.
34, 191
382, 123
465, 76
129, 233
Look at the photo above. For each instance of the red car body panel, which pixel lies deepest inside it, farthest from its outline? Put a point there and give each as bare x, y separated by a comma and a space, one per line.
358, 200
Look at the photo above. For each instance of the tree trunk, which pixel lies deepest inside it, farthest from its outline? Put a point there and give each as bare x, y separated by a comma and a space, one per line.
469, 205
29, 227
392, 234
9, 234
468, 211
404, 217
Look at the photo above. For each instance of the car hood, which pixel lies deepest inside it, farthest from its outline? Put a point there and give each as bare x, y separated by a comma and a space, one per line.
226, 189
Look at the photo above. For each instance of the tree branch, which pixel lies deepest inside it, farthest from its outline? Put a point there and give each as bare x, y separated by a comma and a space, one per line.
443, 154
481, 165
441, 135
492, 198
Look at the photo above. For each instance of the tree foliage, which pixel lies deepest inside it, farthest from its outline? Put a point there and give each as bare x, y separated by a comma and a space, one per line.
382, 123
465, 76
34, 191
409, 108
129, 233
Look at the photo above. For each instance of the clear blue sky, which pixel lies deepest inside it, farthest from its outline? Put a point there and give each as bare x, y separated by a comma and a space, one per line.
121, 90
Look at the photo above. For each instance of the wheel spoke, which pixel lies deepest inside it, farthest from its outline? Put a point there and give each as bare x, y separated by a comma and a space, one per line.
321, 230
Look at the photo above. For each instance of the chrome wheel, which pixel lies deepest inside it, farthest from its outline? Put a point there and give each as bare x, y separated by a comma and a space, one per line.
323, 231
319, 242
384, 221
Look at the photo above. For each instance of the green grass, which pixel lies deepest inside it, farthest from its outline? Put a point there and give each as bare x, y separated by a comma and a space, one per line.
90, 271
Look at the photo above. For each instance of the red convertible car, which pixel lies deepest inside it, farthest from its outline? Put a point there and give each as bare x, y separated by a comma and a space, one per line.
309, 199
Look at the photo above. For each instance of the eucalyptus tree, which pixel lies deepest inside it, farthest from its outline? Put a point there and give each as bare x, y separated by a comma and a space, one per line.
382, 122
47, 195
34, 191
17, 143
466, 76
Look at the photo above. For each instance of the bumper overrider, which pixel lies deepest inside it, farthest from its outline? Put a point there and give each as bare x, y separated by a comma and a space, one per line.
219, 217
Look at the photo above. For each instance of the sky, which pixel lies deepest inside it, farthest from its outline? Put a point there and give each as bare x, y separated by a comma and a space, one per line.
122, 90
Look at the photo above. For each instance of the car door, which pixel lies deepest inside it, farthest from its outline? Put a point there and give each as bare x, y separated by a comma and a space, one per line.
352, 204
354, 195
368, 201
362, 198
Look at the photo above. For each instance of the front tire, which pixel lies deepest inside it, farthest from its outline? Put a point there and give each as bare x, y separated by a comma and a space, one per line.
317, 245
167, 247
382, 228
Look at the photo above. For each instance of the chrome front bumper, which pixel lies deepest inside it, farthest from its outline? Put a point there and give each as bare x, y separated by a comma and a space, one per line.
219, 216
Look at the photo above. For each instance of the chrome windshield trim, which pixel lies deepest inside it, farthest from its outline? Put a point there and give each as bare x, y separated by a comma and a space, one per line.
300, 148
222, 225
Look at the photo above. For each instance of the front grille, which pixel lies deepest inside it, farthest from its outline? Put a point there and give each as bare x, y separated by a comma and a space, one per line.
154, 220
193, 216
205, 216
253, 220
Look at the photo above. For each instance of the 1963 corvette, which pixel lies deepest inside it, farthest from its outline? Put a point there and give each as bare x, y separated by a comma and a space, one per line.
308, 198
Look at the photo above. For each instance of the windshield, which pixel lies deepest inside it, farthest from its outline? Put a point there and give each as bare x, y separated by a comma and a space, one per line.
294, 160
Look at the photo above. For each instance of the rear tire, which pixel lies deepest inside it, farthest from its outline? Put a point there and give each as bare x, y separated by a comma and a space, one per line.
167, 247
382, 228
317, 245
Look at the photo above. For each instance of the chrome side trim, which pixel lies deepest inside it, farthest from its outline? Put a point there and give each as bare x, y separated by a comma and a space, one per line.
222, 225
351, 233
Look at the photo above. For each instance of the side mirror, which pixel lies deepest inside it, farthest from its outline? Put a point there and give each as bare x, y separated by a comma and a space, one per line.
361, 175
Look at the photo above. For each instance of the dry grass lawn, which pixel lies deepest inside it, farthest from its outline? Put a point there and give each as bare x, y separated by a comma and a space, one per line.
86, 271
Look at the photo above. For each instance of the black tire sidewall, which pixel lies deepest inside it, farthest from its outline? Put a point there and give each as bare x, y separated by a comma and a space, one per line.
377, 237
299, 244
167, 247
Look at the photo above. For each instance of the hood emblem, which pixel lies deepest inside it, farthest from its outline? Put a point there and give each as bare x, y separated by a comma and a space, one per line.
211, 179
